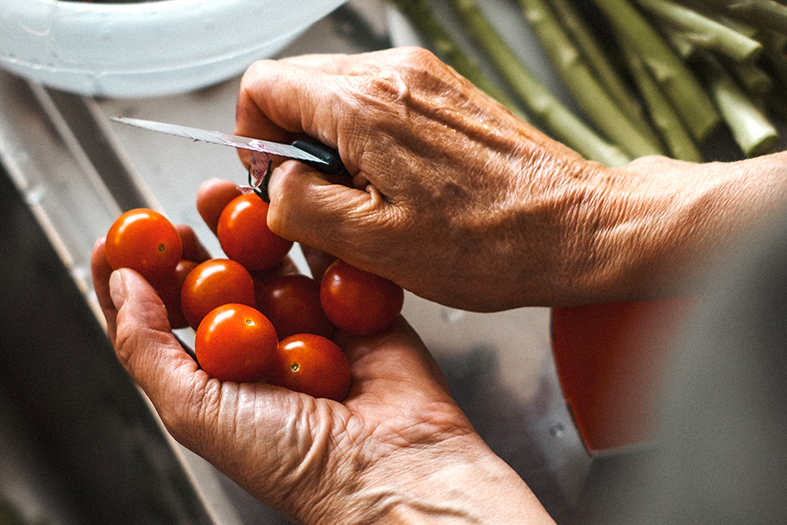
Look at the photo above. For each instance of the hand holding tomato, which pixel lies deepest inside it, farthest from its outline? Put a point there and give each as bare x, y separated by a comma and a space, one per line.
144, 240
312, 364
359, 302
316, 460
290, 449
279, 303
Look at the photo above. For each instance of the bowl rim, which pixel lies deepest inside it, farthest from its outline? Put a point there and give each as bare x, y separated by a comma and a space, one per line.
62, 42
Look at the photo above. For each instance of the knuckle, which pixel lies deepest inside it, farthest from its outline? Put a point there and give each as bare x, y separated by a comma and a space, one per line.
254, 72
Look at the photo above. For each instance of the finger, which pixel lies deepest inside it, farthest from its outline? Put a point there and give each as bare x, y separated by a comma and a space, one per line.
212, 197
280, 97
336, 64
100, 271
392, 363
318, 260
220, 421
146, 347
252, 119
278, 100
150, 353
193, 250
307, 208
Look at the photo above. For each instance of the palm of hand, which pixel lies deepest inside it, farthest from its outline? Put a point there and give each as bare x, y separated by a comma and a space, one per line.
294, 452
287, 449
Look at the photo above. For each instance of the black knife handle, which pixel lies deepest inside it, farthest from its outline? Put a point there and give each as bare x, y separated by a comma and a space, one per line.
333, 163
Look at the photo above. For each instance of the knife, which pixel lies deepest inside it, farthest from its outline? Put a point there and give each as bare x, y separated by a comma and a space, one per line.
313, 153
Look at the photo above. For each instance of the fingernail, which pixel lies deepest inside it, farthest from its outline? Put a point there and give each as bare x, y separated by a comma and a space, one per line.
117, 288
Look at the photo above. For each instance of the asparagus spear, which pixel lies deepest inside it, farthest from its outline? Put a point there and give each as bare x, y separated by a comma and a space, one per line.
599, 62
678, 83
421, 15
703, 31
733, 23
558, 120
762, 13
676, 137
754, 79
682, 45
579, 79
751, 129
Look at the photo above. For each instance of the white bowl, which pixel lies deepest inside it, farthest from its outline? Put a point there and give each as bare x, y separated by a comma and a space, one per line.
147, 48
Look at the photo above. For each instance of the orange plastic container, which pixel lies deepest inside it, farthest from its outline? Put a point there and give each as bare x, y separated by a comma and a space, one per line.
610, 361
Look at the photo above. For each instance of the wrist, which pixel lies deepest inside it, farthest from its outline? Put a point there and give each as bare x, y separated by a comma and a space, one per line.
458, 481
658, 223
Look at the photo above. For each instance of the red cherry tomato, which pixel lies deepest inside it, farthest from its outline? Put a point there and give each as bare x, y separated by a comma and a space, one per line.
244, 235
212, 197
359, 302
292, 303
169, 291
263, 277
213, 283
314, 365
235, 342
145, 241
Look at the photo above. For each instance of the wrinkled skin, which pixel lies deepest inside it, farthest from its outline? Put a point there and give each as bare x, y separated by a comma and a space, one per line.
390, 453
460, 202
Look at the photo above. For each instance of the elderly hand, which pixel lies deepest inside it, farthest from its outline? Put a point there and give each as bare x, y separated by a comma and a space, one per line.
398, 450
460, 202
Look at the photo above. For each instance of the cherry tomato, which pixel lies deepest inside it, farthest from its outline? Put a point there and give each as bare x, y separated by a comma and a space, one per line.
312, 364
212, 197
213, 283
192, 248
359, 302
145, 241
235, 342
169, 291
244, 235
292, 303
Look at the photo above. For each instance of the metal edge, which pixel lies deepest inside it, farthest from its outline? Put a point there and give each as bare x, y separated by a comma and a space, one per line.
31, 185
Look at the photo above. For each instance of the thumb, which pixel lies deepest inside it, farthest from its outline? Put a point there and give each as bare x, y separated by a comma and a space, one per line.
142, 324
308, 208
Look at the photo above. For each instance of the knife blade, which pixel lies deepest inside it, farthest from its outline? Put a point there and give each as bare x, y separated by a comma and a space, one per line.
315, 154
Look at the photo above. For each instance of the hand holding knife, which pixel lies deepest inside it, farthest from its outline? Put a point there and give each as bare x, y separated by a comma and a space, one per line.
315, 154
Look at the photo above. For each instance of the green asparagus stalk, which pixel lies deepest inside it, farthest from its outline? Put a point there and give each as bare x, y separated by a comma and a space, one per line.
676, 137
558, 120
751, 129
753, 78
703, 31
598, 60
587, 91
678, 83
760, 13
734, 24
682, 45
421, 15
